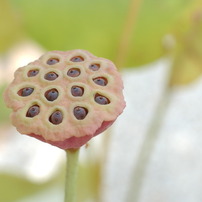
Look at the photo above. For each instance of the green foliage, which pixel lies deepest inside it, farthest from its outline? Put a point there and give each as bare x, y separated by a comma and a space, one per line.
157, 18
13, 188
64, 25
10, 25
89, 181
188, 55
97, 25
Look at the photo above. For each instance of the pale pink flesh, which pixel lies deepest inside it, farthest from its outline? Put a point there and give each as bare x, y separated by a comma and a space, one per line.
70, 136
74, 142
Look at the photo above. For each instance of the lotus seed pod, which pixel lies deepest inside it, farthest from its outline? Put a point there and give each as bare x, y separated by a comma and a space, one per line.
65, 98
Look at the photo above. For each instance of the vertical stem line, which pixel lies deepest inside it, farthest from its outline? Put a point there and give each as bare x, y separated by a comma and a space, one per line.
146, 151
122, 53
71, 175
128, 29
149, 143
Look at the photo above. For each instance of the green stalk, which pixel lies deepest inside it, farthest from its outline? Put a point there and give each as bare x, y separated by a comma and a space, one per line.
149, 143
128, 32
120, 60
147, 149
71, 175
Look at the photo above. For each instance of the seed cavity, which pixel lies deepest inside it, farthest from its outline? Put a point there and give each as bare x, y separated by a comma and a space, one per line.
51, 76
77, 59
32, 72
80, 112
56, 117
25, 91
77, 91
102, 100
73, 72
51, 94
52, 61
94, 67
100, 81
33, 111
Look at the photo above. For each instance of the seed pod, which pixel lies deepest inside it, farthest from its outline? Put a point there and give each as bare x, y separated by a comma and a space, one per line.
80, 112
56, 118
52, 61
79, 96
33, 111
73, 72
33, 73
77, 91
77, 59
94, 67
100, 81
51, 76
51, 94
25, 91
100, 99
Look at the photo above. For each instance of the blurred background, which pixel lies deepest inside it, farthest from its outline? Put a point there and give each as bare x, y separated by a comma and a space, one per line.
153, 152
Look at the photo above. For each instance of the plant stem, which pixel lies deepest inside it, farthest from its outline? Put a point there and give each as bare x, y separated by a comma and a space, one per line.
121, 57
146, 151
128, 30
71, 175
148, 145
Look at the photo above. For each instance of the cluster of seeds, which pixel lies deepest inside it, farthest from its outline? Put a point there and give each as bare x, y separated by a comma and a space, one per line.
67, 89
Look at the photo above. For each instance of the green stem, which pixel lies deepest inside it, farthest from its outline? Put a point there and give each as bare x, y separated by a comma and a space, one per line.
148, 146
147, 150
127, 34
121, 57
71, 175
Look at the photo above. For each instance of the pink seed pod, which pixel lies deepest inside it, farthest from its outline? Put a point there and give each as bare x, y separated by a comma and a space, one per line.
65, 98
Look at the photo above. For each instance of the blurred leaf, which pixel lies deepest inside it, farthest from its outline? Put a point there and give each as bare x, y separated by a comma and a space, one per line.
88, 181
9, 24
185, 69
96, 25
157, 18
4, 111
187, 65
13, 188
72, 24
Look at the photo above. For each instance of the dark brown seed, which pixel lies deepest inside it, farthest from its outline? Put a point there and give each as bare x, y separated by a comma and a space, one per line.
100, 81
100, 99
73, 72
77, 91
25, 91
80, 112
51, 76
56, 117
33, 111
52, 61
33, 72
51, 94
77, 59
94, 67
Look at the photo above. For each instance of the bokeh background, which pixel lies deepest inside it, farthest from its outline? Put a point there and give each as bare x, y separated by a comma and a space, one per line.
153, 152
